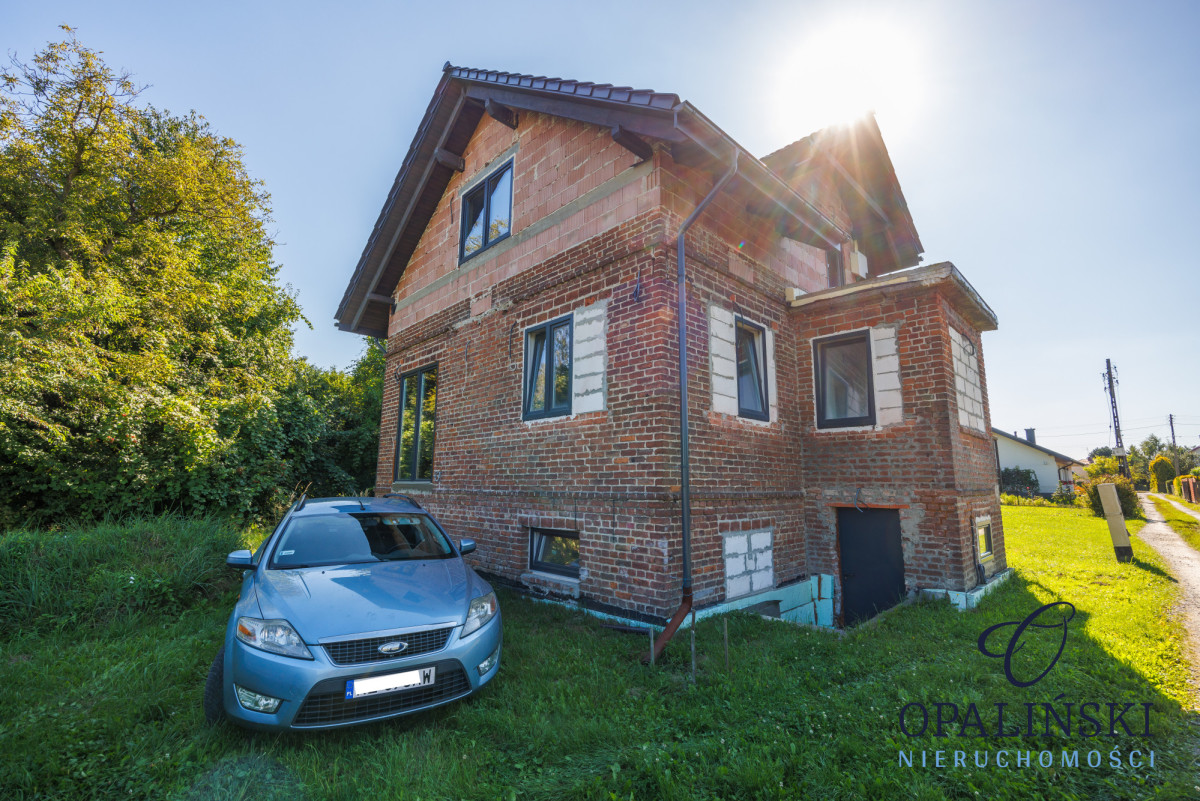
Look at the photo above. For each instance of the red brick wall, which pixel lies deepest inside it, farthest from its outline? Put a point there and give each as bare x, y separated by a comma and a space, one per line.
556, 161
613, 475
938, 474
605, 474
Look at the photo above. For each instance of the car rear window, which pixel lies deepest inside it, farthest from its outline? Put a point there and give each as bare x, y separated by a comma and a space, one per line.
337, 539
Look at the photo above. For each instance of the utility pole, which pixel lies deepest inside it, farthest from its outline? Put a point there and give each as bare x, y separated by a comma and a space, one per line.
1174, 447
1111, 387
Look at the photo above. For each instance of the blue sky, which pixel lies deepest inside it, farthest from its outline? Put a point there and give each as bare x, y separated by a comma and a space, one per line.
1048, 149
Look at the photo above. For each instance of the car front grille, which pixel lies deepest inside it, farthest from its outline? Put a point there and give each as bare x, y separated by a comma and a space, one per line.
364, 652
327, 705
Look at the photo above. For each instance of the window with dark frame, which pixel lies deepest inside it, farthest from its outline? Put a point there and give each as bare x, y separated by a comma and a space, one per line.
416, 427
751, 344
548, 369
554, 551
983, 531
833, 268
487, 213
845, 386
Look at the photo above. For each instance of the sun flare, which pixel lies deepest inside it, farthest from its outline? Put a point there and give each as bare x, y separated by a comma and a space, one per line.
848, 67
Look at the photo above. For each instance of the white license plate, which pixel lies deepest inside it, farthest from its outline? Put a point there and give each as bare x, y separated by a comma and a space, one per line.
357, 688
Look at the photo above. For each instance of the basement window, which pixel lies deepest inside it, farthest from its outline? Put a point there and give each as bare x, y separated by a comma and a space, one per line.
983, 532
548, 369
751, 370
845, 394
554, 551
487, 212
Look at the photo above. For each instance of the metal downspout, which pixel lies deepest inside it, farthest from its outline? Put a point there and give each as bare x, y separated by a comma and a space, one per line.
685, 496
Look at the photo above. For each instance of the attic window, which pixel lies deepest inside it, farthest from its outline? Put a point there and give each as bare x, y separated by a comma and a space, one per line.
487, 212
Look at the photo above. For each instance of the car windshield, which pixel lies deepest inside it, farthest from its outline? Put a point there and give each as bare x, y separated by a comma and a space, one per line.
337, 539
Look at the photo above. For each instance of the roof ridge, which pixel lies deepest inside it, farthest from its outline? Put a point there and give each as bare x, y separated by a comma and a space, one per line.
607, 92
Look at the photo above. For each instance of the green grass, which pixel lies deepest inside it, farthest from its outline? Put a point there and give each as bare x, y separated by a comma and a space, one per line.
1195, 507
113, 709
86, 575
1181, 523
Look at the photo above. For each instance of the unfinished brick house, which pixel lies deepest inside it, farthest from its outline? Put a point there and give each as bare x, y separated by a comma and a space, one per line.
828, 449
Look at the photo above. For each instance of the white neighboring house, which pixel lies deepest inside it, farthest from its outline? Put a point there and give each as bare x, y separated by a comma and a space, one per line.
1052, 469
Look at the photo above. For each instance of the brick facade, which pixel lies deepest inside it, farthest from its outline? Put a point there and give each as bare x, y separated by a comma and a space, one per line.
592, 224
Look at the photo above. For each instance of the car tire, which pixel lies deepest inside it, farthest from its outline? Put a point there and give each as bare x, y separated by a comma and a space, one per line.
214, 690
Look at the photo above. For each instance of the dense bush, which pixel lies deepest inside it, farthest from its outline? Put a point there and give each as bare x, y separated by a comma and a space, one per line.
88, 574
1007, 499
1162, 471
1125, 493
1018, 481
1063, 496
145, 339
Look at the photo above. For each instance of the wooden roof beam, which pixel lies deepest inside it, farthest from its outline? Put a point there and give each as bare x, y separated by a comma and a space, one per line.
632, 142
501, 113
450, 160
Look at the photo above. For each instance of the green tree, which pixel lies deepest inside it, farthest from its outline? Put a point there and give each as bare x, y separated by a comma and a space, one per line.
1103, 466
144, 340
1163, 471
1103, 450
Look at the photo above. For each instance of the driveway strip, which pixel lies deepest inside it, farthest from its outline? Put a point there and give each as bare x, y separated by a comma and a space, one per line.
1184, 563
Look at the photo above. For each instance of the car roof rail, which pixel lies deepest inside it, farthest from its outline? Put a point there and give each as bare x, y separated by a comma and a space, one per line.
404, 497
300, 503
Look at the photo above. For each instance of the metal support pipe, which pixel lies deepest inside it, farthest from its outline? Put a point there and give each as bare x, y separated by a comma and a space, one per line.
685, 490
685, 495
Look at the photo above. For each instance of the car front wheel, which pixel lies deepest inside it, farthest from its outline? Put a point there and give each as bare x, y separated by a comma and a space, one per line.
214, 689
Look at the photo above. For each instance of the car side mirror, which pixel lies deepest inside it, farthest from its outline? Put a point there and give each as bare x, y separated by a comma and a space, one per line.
466, 546
242, 559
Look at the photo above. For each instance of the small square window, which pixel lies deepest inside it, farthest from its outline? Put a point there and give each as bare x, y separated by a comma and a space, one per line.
554, 551
845, 394
751, 370
983, 532
548, 370
487, 213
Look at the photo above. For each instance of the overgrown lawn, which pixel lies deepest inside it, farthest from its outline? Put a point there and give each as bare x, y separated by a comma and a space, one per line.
113, 709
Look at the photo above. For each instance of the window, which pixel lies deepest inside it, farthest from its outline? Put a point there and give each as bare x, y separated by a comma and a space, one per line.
414, 443
548, 369
741, 366
751, 370
833, 268
983, 531
845, 394
341, 539
554, 551
487, 212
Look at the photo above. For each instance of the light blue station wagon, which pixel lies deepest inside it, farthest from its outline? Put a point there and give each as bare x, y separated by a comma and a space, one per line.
353, 610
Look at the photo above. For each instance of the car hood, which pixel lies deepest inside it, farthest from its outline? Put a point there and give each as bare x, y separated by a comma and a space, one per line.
339, 600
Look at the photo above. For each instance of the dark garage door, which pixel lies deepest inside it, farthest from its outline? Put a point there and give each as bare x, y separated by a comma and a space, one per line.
871, 561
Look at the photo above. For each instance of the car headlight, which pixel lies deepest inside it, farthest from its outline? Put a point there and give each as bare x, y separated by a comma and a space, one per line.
483, 609
275, 636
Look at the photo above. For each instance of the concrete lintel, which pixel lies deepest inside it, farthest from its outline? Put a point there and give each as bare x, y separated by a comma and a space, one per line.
963, 295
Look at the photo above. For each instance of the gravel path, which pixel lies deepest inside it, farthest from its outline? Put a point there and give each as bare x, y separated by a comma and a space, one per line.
1178, 506
1184, 564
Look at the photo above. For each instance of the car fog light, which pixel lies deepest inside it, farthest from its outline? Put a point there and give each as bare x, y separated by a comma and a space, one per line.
256, 702
490, 662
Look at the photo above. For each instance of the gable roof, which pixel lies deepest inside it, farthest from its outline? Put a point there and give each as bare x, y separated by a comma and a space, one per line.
1058, 457
869, 187
463, 95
